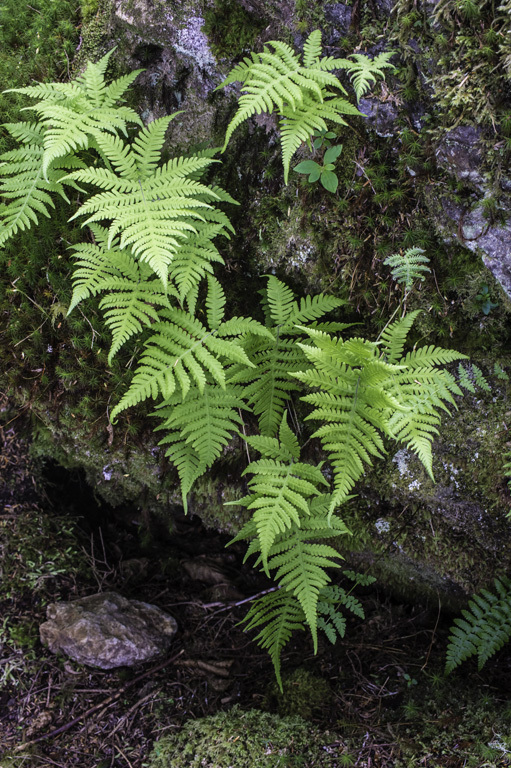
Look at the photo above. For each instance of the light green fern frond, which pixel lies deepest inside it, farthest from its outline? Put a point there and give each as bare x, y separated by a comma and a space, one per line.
269, 385
280, 487
197, 429
132, 292
485, 627
156, 212
352, 401
393, 337
408, 266
365, 71
195, 258
300, 563
23, 186
182, 351
279, 614
74, 116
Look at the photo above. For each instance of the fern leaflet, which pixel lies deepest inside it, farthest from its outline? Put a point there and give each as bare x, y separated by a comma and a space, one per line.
197, 429
485, 627
281, 615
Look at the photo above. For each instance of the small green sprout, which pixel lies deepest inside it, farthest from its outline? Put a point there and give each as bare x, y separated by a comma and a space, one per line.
484, 300
325, 173
322, 139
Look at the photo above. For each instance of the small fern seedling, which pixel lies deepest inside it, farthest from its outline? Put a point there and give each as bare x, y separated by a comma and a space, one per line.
408, 267
472, 376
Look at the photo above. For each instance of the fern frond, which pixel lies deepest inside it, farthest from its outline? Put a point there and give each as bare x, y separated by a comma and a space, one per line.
23, 184
180, 351
75, 115
470, 376
187, 461
281, 615
485, 628
276, 79
205, 422
155, 213
270, 384
409, 266
301, 564
352, 403
280, 487
365, 71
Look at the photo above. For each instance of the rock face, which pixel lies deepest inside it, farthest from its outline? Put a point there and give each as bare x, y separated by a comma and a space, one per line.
107, 630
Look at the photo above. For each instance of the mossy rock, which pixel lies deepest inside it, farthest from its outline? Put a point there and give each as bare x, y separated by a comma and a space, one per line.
239, 739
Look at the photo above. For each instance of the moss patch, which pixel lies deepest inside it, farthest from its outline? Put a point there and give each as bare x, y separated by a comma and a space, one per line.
241, 739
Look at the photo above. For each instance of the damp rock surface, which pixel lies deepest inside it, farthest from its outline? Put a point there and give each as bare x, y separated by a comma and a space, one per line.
107, 630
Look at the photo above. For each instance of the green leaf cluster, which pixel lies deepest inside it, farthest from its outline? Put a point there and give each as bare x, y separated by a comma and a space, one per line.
299, 90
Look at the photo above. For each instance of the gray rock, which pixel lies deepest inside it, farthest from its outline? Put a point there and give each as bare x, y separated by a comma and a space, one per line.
381, 116
460, 153
107, 630
475, 232
339, 16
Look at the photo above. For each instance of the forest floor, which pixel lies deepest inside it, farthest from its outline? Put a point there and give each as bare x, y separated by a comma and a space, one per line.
382, 687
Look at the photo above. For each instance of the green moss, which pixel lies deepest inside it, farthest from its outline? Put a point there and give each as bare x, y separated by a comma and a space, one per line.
230, 29
37, 42
304, 695
241, 739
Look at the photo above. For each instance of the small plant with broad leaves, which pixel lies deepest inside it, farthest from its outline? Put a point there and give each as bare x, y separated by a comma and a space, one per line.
324, 173
484, 301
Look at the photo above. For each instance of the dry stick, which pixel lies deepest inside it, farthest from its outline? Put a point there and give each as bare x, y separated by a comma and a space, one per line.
105, 703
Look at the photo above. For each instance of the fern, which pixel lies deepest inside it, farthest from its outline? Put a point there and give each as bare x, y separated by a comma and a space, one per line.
471, 377
300, 563
484, 628
276, 80
409, 266
182, 351
132, 292
74, 115
269, 384
280, 615
361, 397
330, 620
154, 208
280, 487
198, 428
365, 71
22, 181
